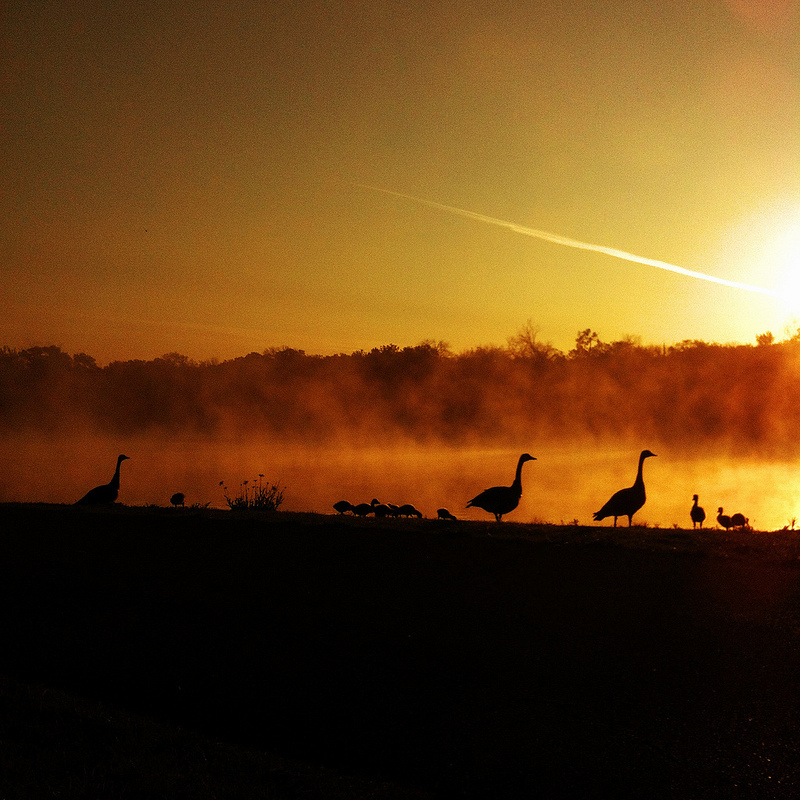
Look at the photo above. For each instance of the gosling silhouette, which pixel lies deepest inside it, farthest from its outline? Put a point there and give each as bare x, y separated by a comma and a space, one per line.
362, 509
105, 494
724, 519
739, 521
381, 510
178, 499
626, 502
697, 513
501, 500
443, 513
408, 510
343, 506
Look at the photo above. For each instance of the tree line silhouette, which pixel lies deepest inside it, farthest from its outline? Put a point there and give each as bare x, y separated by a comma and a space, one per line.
692, 394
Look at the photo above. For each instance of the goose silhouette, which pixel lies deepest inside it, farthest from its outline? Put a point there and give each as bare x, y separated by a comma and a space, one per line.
409, 510
626, 502
697, 513
105, 494
724, 519
501, 500
381, 510
362, 509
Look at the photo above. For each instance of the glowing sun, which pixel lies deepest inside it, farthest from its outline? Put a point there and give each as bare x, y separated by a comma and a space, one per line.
787, 267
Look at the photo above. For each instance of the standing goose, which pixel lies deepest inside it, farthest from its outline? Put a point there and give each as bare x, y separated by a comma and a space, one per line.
626, 502
724, 519
107, 493
697, 513
501, 500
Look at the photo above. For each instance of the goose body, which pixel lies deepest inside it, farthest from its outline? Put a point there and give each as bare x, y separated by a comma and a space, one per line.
724, 519
501, 500
105, 494
178, 499
408, 510
626, 502
342, 505
381, 510
697, 513
739, 521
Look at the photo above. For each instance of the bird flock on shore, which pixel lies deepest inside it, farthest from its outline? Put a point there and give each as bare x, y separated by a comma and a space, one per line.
497, 500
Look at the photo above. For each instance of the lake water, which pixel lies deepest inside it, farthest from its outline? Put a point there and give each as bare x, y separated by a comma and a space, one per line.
565, 483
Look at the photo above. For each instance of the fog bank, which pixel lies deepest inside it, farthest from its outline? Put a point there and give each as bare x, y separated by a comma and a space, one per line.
418, 425
566, 483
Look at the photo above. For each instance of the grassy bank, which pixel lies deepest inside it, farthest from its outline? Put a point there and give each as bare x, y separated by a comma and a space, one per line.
426, 658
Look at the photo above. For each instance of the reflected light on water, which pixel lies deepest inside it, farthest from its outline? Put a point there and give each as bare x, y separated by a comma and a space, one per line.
564, 484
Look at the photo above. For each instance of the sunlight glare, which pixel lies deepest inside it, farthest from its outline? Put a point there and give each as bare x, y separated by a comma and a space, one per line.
787, 260
765, 246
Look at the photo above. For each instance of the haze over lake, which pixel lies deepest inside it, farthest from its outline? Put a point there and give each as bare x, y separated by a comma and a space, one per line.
565, 483
420, 425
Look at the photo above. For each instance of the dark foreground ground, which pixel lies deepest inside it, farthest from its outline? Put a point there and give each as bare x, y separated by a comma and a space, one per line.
170, 653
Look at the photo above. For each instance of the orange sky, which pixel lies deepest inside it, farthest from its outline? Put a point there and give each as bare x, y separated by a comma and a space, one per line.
190, 176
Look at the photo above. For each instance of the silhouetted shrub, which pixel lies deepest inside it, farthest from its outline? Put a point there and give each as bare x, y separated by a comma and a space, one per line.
259, 496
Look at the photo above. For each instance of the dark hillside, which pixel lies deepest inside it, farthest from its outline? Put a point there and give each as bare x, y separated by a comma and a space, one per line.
546, 662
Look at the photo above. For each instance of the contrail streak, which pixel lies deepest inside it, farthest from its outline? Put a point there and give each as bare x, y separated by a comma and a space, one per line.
567, 242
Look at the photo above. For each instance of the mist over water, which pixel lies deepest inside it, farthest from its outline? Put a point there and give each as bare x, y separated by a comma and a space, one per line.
567, 482
418, 425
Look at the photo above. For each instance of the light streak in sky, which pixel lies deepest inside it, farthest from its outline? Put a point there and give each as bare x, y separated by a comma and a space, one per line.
555, 238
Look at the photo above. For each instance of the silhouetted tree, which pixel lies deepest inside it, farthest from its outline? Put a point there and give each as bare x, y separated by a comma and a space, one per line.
587, 343
524, 344
691, 393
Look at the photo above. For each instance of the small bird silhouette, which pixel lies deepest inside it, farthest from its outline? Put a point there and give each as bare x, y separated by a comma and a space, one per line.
724, 519
178, 499
105, 494
380, 510
362, 509
408, 510
342, 505
626, 502
443, 513
697, 513
739, 521
501, 500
